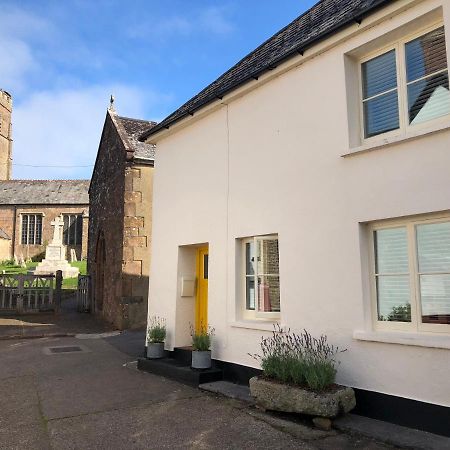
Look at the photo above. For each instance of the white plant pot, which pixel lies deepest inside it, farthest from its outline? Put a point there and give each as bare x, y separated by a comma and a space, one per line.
155, 350
201, 360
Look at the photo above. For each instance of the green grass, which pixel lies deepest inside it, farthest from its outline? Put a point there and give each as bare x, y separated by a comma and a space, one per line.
68, 283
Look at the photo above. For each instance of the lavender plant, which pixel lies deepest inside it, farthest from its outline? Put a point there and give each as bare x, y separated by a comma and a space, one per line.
201, 340
157, 330
299, 359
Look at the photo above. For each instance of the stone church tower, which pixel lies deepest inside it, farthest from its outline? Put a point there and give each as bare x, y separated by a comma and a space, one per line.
5, 136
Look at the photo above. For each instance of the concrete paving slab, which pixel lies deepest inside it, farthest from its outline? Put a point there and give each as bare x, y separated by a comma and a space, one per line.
391, 433
21, 421
98, 390
230, 390
204, 423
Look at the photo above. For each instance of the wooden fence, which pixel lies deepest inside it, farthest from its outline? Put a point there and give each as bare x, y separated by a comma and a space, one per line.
22, 294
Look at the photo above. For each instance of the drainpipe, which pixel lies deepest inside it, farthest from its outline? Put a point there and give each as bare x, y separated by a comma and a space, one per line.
14, 233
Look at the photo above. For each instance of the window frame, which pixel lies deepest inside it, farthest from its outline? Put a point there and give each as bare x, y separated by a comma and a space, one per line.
399, 46
416, 324
35, 234
78, 221
256, 314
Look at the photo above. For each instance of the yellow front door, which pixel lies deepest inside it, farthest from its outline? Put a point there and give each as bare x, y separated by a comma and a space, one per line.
201, 305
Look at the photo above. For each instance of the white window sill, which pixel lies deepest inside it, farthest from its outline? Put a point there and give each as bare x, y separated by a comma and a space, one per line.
263, 325
391, 140
402, 338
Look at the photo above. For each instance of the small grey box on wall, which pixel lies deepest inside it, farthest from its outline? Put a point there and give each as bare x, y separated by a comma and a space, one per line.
187, 286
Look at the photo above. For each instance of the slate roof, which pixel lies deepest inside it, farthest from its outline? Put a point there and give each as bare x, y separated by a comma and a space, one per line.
134, 128
319, 22
3, 235
44, 192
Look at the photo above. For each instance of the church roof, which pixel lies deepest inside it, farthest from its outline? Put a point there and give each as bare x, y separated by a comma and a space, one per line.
44, 192
322, 20
133, 129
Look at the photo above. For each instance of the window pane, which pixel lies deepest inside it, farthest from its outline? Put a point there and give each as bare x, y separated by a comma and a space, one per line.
79, 236
435, 298
391, 251
426, 55
250, 292
66, 230
381, 114
267, 251
393, 297
205, 267
379, 74
39, 230
269, 293
24, 229
250, 258
433, 247
429, 98
72, 229
31, 229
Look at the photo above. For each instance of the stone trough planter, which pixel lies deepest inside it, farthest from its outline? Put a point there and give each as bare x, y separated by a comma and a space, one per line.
275, 396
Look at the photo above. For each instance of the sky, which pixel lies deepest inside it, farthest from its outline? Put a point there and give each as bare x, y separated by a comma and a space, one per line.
61, 61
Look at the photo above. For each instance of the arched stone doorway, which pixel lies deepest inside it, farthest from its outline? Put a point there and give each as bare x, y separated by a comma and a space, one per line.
100, 260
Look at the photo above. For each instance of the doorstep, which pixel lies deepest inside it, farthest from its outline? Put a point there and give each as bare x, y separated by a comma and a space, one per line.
177, 366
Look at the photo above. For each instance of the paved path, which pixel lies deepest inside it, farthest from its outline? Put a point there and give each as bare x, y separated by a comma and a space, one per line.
97, 399
67, 322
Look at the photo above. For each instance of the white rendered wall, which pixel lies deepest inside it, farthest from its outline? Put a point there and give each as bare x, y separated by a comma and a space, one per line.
270, 162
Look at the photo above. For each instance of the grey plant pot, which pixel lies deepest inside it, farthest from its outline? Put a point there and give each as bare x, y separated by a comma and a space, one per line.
201, 360
155, 350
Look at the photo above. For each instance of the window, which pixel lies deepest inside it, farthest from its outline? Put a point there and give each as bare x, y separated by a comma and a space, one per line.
73, 229
406, 85
262, 277
31, 229
411, 275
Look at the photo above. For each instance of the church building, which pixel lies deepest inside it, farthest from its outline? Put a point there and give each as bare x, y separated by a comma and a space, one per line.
27, 207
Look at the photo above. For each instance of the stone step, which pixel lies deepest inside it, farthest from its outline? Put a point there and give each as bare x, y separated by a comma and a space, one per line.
182, 354
179, 371
228, 389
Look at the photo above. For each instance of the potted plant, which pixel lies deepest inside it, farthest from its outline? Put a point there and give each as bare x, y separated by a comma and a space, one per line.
201, 347
156, 335
298, 375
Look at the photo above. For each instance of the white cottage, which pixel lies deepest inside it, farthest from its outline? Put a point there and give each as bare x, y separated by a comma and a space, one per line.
309, 185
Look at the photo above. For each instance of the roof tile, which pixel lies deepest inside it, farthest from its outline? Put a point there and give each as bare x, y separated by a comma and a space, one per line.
44, 192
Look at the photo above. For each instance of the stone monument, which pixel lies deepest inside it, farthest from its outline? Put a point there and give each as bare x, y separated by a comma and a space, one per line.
55, 255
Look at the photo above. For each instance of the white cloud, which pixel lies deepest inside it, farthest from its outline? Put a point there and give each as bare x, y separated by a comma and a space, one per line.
211, 20
17, 62
215, 20
20, 24
17, 29
63, 128
162, 29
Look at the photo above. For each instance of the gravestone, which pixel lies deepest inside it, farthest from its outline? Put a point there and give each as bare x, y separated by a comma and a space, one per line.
55, 255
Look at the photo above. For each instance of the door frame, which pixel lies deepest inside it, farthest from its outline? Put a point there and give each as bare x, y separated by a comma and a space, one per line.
201, 299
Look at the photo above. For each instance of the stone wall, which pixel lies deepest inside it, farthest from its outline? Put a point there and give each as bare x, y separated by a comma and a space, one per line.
5, 249
10, 222
136, 243
106, 197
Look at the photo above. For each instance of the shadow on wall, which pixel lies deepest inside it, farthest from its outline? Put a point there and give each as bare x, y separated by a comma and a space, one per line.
122, 302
